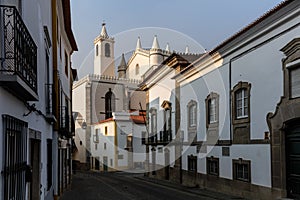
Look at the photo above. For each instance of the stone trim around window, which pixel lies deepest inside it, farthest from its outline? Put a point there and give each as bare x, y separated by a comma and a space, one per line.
237, 87
192, 129
192, 163
240, 127
244, 176
211, 163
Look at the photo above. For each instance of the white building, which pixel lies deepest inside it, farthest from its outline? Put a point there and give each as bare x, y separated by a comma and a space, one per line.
225, 98
28, 157
117, 142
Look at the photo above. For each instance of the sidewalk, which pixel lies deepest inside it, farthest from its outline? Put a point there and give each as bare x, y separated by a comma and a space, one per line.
198, 191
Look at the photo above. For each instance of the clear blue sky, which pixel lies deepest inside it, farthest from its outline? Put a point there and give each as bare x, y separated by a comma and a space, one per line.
209, 22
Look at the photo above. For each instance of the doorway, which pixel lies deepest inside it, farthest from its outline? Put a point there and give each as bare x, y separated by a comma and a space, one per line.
35, 160
105, 163
293, 161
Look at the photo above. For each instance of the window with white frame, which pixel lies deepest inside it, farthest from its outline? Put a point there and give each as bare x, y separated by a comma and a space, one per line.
241, 102
192, 114
212, 109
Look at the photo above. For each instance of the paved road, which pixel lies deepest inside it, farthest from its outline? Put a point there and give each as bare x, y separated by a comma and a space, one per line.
124, 186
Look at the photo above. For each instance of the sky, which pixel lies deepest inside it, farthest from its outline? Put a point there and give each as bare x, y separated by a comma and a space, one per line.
202, 23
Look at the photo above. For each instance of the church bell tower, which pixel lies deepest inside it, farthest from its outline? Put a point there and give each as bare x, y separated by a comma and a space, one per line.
104, 54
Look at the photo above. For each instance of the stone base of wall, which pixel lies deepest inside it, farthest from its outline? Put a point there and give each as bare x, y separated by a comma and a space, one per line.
231, 187
222, 185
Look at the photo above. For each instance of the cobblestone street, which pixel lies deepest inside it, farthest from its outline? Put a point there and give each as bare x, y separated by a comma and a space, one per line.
120, 185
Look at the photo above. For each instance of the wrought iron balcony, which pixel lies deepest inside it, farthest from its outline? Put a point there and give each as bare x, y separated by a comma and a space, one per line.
65, 122
152, 140
50, 102
18, 56
165, 136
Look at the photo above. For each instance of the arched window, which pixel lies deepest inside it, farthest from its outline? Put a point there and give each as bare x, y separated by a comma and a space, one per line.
109, 104
97, 50
137, 69
107, 50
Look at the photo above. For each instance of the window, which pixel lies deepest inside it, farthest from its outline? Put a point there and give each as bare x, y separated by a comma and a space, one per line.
49, 163
212, 165
97, 50
107, 50
143, 137
192, 121
109, 104
96, 146
137, 69
105, 130
66, 64
241, 170
96, 136
295, 82
212, 109
111, 162
241, 102
14, 144
129, 142
153, 125
167, 132
192, 113
240, 99
80, 143
192, 163
105, 146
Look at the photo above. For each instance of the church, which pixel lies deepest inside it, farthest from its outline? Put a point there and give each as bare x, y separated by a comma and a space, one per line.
108, 102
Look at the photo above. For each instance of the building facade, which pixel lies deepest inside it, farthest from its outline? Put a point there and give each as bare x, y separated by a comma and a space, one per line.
27, 74
234, 135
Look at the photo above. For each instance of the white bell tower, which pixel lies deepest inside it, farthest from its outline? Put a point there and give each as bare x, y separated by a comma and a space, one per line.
104, 54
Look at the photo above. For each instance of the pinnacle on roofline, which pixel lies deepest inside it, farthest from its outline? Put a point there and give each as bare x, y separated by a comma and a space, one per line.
155, 44
138, 43
103, 31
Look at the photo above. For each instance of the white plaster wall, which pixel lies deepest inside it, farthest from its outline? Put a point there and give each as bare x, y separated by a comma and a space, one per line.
108, 139
143, 61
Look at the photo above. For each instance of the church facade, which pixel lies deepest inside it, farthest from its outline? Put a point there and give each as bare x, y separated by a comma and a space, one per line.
104, 98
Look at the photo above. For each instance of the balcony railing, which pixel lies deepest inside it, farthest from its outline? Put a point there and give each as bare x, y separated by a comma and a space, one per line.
18, 53
65, 121
50, 99
165, 136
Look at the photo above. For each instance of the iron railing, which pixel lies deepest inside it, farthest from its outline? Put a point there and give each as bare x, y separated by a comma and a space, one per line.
165, 136
15, 156
49, 99
18, 54
65, 120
